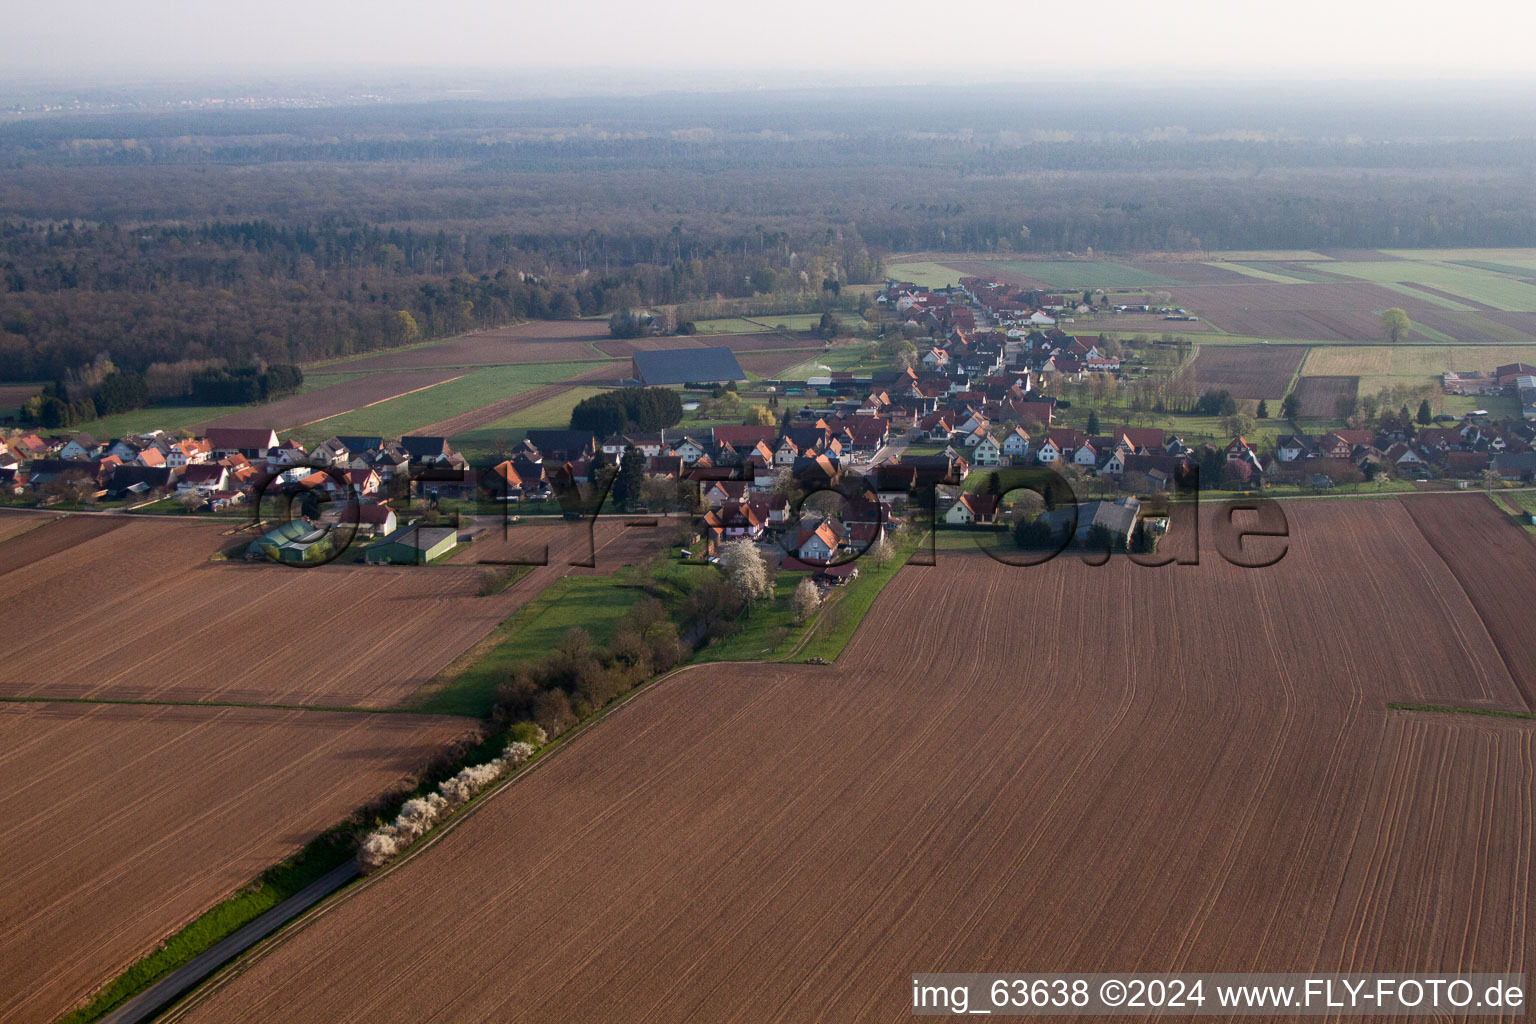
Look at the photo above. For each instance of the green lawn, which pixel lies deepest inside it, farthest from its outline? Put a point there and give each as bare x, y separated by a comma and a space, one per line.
409, 412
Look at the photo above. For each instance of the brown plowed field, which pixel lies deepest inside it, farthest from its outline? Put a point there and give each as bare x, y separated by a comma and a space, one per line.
1319, 396
14, 522
1524, 322
486, 414
1495, 563
543, 341
1248, 371
1061, 767
768, 341
287, 413
120, 824
1325, 312
12, 395
771, 364
50, 538
141, 613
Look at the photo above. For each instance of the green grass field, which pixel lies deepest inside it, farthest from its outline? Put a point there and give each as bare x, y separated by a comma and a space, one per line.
804, 321
188, 417
593, 603
1477, 286
410, 412
554, 412
927, 275
1515, 256
1249, 270
729, 325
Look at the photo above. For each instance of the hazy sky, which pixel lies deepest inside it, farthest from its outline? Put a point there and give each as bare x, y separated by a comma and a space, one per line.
900, 39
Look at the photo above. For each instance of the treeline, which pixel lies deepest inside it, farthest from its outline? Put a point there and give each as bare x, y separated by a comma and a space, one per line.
579, 676
243, 386
262, 292
282, 237
646, 410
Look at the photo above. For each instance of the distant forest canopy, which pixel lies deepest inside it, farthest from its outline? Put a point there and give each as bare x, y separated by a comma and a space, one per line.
283, 236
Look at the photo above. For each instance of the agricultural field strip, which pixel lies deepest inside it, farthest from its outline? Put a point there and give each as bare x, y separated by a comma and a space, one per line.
122, 824
1474, 286
461, 395
487, 414
141, 626
334, 400
929, 804
543, 341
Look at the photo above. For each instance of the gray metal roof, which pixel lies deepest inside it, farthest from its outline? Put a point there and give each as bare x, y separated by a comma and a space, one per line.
686, 365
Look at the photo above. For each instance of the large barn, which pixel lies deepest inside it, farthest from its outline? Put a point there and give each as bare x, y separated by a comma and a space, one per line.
687, 366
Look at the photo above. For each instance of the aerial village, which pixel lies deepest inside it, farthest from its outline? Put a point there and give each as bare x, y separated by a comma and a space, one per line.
977, 391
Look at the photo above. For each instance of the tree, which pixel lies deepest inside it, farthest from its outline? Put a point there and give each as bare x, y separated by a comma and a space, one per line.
805, 600
1093, 423
406, 327
994, 483
747, 571
629, 484
1263, 411
1394, 323
881, 552
1290, 406
1424, 417
759, 416
626, 324
1488, 479
1033, 534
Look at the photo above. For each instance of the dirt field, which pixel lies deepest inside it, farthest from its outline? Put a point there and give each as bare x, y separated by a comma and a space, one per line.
1176, 769
543, 341
12, 395
14, 522
141, 613
123, 823
332, 401
1249, 371
1318, 397
1495, 563
1323, 312
52, 537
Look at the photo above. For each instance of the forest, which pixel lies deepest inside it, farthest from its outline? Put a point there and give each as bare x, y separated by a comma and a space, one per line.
254, 237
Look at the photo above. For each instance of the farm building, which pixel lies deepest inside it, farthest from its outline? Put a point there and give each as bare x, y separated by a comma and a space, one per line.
1118, 517
412, 545
295, 541
686, 366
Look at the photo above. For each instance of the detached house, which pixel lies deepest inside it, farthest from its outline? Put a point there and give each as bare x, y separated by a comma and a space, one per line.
1016, 444
972, 509
252, 442
987, 452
